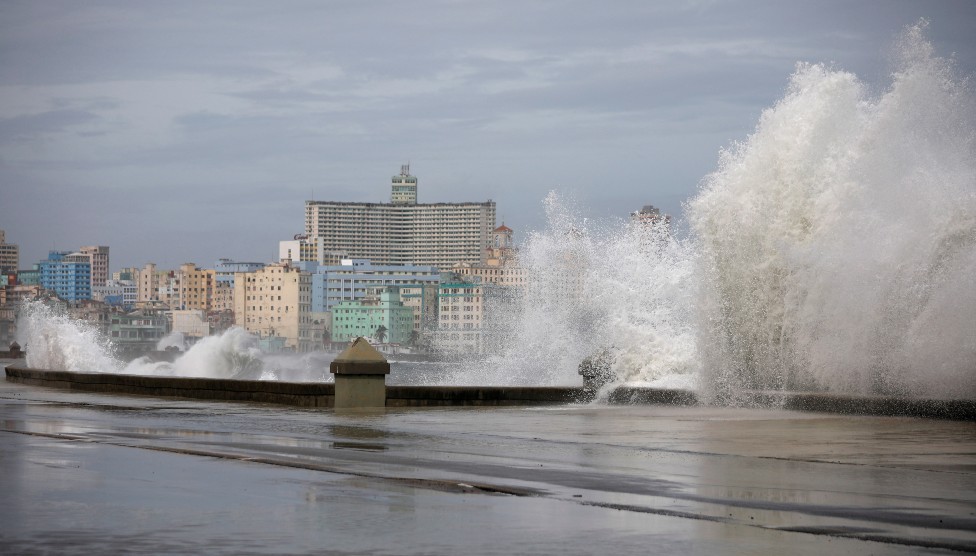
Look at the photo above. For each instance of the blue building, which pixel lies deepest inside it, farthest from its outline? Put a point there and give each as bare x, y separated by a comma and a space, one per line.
67, 274
356, 279
225, 269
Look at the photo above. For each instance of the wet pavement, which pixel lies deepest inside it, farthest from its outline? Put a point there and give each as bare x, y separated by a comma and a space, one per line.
83, 473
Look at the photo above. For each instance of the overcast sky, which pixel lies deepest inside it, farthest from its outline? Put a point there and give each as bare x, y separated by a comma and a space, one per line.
188, 131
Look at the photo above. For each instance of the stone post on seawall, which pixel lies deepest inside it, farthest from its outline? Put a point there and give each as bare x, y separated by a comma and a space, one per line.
360, 376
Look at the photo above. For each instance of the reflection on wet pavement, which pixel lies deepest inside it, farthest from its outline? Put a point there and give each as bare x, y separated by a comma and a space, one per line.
83, 472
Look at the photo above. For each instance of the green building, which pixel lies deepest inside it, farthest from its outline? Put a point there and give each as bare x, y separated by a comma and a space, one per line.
384, 318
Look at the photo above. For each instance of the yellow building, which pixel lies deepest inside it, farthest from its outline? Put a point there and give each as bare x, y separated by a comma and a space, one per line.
196, 287
276, 301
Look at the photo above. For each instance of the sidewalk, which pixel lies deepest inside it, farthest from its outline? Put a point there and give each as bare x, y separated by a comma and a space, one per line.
89, 472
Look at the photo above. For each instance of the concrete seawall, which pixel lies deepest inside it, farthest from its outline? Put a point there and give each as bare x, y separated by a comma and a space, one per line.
317, 394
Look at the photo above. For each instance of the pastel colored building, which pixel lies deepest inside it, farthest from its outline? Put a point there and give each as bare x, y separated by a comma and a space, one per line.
383, 317
276, 301
67, 274
355, 279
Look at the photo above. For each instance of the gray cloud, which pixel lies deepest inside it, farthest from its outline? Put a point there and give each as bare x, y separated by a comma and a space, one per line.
28, 126
167, 121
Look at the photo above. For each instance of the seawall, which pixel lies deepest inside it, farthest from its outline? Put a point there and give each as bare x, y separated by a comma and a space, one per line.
322, 395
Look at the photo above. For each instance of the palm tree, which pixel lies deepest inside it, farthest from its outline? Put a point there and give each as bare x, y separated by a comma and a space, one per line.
380, 333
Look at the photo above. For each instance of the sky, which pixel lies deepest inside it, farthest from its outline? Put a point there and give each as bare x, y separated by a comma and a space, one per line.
186, 131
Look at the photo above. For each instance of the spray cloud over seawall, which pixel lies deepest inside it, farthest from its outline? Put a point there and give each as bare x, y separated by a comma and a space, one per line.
838, 243
624, 287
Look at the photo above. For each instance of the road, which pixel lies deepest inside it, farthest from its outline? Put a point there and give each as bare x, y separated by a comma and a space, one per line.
84, 473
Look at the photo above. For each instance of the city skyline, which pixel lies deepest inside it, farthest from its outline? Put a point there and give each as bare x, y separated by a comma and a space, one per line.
186, 133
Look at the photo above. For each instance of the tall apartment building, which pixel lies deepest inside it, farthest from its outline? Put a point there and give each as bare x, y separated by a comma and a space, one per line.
67, 274
275, 301
9, 254
148, 283
403, 231
196, 287
98, 257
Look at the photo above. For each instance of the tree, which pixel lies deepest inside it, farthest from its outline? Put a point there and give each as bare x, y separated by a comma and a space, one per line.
380, 333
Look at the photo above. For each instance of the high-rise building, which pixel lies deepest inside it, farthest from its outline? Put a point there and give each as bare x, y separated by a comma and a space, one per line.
98, 257
67, 274
404, 231
9, 254
148, 283
404, 188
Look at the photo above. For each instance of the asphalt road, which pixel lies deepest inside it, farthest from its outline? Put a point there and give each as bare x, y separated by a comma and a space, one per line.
88, 473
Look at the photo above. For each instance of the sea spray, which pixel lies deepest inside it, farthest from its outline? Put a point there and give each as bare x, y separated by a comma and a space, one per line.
54, 340
623, 286
232, 354
838, 243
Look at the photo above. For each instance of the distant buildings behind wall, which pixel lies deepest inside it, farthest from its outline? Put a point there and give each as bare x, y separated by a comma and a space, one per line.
421, 274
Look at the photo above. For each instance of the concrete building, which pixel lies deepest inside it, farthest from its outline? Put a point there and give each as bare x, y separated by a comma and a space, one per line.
222, 298
461, 311
30, 277
500, 266
149, 281
98, 257
225, 269
306, 249
403, 232
275, 301
122, 293
67, 274
128, 273
382, 317
355, 279
137, 332
9, 254
192, 323
196, 286
422, 298
403, 189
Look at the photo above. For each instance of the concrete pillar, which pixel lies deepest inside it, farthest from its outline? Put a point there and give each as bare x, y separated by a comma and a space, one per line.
360, 376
